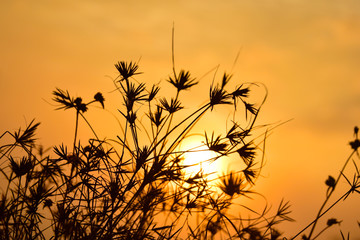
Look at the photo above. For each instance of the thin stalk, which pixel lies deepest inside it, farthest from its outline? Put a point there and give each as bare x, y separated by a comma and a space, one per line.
321, 232
16, 207
8, 186
320, 213
76, 129
185, 131
152, 131
135, 136
8, 151
91, 128
170, 121
203, 108
173, 49
127, 206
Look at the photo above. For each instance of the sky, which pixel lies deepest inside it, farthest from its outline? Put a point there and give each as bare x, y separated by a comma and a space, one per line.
306, 53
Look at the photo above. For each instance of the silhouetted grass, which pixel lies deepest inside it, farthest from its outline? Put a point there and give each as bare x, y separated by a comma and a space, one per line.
131, 187
136, 186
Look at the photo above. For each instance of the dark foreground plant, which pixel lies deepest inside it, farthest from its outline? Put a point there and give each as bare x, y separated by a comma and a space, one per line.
332, 183
137, 186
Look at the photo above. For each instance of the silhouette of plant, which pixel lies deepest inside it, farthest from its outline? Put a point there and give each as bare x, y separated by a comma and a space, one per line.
136, 186
332, 183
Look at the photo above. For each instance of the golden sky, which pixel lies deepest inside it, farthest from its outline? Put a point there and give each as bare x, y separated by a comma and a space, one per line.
307, 53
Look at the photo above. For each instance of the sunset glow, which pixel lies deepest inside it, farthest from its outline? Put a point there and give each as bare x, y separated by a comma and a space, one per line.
200, 159
306, 53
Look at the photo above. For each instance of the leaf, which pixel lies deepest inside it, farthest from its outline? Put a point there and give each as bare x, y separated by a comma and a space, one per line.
27, 136
171, 107
226, 78
247, 153
127, 70
330, 182
183, 81
218, 96
214, 144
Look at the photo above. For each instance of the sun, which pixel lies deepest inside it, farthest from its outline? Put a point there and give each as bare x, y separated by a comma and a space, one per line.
198, 158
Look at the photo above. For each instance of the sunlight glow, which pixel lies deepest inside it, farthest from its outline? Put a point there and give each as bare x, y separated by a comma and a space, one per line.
200, 158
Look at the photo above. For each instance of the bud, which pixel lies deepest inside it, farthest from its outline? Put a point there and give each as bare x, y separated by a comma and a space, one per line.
330, 182
332, 221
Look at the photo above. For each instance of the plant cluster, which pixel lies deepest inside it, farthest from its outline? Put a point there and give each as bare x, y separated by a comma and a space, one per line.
136, 186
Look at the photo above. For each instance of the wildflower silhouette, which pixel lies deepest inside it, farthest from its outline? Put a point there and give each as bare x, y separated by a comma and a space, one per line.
132, 186
136, 186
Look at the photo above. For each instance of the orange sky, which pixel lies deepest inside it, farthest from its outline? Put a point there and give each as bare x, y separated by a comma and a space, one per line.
307, 53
